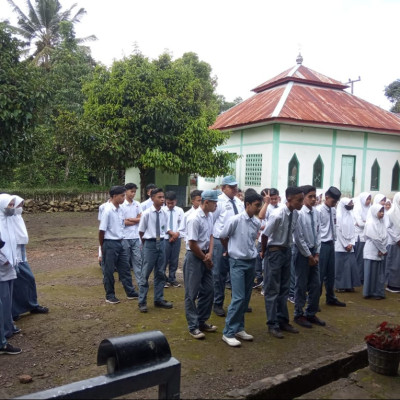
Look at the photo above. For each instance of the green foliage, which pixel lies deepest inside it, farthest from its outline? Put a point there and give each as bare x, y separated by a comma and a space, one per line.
42, 25
154, 114
392, 92
21, 93
226, 105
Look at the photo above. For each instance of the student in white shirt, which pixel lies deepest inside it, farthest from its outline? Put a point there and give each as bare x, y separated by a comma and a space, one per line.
346, 271
362, 203
114, 254
228, 205
153, 227
393, 256
239, 235
132, 213
307, 237
172, 239
195, 199
8, 263
197, 267
149, 202
374, 253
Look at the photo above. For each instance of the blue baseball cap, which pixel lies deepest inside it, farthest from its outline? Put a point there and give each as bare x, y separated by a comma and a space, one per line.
229, 180
211, 195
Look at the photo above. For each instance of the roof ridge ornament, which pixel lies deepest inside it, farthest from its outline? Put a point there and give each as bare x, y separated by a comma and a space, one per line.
299, 59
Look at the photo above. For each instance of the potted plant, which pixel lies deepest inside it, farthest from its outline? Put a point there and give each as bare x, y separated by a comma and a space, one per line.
384, 348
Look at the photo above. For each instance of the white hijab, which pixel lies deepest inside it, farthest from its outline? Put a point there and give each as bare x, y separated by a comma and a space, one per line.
375, 228
21, 234
345, 219
360, 209
394, 212
7, 230
379, 197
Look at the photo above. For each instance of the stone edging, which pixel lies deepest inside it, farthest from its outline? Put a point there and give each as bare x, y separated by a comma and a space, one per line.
307, 378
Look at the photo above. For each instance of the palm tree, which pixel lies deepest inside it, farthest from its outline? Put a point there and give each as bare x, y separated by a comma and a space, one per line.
42, 26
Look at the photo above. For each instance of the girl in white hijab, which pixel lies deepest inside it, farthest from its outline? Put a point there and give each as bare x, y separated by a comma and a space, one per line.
8, 262
346, 273
393, 257
362, 204
374, 252
24, 293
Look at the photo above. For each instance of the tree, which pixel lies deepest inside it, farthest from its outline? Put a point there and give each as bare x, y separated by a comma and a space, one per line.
57, 156
155, 114
20, 95
392, 92
226, 105
42, 26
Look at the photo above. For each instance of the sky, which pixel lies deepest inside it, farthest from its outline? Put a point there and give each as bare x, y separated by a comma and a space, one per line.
249, 42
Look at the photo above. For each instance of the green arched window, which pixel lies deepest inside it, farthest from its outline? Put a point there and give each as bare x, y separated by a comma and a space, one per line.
293, 171
318, 173
396, 177
375, 174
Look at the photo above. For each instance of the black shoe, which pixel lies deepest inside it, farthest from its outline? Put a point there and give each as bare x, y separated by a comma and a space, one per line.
143, 308
207, 328
8, 349
111, 300
228, 286
275, 332
302, 321
336, 303
258, 283
16, 330
175, 284
315, 320
39, 310
163, 304
16, 318
132, 296
285, 326
219, 311
249, 309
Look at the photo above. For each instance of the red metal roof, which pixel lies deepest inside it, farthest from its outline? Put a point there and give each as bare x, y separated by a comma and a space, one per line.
313, 99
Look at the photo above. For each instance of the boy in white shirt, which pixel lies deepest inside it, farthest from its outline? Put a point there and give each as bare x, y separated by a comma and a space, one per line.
172, 239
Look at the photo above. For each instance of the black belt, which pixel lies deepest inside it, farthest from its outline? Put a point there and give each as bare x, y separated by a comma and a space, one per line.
154, 240
113, 240
328, 242
276, 248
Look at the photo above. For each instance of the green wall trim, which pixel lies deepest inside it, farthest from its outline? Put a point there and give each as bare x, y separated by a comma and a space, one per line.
241, 155
333, 156
364, 161
305, 143
244, 145
275, 155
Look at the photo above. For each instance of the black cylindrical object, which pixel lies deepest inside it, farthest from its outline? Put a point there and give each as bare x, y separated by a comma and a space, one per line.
136, 350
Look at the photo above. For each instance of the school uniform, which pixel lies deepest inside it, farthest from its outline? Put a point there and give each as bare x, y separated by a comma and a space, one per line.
393, 256
198, 280
8, 263
132, 241
153, 224
307, 237
146, 204
226, 208
114, 253
279, 230
360, 217
327, 253
346, 270
242, 233
172, 249
375, 242
24, 288
183, 226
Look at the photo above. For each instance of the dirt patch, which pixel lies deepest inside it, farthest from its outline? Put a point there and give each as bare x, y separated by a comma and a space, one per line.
61, 347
